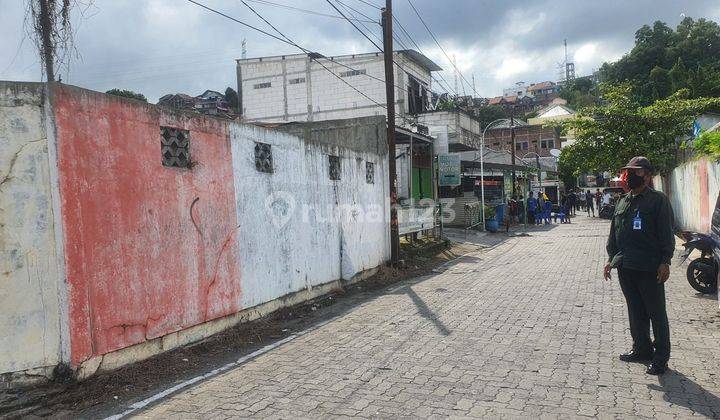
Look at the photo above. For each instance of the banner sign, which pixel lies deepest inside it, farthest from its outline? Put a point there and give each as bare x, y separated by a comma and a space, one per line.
448, 170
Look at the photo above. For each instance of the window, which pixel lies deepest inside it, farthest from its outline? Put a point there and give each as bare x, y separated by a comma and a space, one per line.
352, 73
297, 81
263, 158
262, 85
547, 144
334, 164
521, 145
369, 172
175, 147
417, 96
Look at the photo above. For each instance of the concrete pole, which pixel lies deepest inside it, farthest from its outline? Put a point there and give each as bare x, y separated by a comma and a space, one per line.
390, 106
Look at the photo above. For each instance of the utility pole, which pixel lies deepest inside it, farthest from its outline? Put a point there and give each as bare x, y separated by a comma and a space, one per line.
390, 104
512, 138
47, 45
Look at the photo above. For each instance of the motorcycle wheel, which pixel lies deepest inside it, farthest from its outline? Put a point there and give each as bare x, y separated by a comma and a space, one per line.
701, 275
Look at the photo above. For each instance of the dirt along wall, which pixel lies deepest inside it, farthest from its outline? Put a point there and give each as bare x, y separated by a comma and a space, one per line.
110, 255
30, 297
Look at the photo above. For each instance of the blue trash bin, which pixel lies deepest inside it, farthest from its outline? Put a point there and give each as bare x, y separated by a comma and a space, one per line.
500, 213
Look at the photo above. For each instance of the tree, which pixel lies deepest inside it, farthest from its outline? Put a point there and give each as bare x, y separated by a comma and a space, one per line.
127, 94
487, 114
660, 83
232, 98
580, 93
679, 75
692, 46
608, 136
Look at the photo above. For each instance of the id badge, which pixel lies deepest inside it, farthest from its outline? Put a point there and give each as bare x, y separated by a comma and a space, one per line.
637, 221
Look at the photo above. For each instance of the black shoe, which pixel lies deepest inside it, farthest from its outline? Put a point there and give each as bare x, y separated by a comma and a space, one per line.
656, 368
634, 357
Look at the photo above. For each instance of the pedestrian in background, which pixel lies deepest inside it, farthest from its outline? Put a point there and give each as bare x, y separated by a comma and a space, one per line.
589, 203
532, 206
640, 246
571, 202
598, 199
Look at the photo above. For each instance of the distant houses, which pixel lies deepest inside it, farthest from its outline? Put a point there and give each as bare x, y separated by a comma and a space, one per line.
209, 102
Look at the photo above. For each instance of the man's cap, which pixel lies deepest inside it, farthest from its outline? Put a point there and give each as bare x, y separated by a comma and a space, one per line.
639, 162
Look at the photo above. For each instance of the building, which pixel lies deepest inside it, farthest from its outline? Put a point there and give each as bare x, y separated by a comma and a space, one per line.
528, 138
304, 87
462, 129
544, 92
556, 112
311, 87
209, 102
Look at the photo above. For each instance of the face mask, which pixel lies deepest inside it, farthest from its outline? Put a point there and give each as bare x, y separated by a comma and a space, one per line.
634, 180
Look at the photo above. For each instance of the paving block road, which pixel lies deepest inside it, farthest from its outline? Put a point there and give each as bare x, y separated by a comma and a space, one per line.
525, 329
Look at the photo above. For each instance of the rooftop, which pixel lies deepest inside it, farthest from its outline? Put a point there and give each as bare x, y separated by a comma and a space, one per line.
414, 55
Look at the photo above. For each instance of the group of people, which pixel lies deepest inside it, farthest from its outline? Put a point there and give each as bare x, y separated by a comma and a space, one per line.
578, 200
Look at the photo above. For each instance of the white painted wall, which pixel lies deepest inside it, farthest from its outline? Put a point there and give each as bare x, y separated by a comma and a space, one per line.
30, 321
290, 239
330, 97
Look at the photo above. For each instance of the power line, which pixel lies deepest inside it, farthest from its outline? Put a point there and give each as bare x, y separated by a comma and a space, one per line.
370, 4
310, 55
438, 44
311, 12
354, 25
407, 34
239, 21
348, 8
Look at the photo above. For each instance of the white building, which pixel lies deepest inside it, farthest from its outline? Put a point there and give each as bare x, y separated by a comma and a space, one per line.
300, 87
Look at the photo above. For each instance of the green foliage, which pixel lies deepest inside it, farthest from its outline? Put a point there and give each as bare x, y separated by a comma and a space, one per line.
691, 52
127, 94
448, 105
609, 135
580, 93
660, 83
708, 144
490, 113
232, 98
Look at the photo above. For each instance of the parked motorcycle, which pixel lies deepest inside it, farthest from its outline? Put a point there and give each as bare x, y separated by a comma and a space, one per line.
702, 272
607, 211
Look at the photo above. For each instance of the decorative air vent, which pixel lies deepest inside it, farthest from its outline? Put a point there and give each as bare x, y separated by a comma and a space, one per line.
369, 172
263, 158
175, 147
334, 162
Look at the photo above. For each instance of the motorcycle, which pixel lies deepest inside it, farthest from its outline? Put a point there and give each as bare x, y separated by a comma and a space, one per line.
606, 211
702, 272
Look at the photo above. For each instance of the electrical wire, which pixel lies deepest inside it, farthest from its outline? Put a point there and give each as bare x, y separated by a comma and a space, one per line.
354, 25
309, 52
441, 48
311, 55
297, 9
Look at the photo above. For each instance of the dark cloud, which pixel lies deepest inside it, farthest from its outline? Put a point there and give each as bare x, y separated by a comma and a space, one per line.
161, 46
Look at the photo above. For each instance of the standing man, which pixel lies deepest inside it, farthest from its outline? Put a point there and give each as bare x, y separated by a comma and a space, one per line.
532, 205
589, 203
640, 246
598, 199
571, 202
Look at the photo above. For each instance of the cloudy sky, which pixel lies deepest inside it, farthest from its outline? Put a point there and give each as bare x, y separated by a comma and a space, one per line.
163, 46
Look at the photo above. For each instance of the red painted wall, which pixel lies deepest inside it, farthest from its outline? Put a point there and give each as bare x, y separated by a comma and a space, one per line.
142, 259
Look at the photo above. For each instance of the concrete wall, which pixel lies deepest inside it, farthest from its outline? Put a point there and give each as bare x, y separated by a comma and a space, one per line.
29, 277
693, 188
155, 256
322, 230
326, 96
